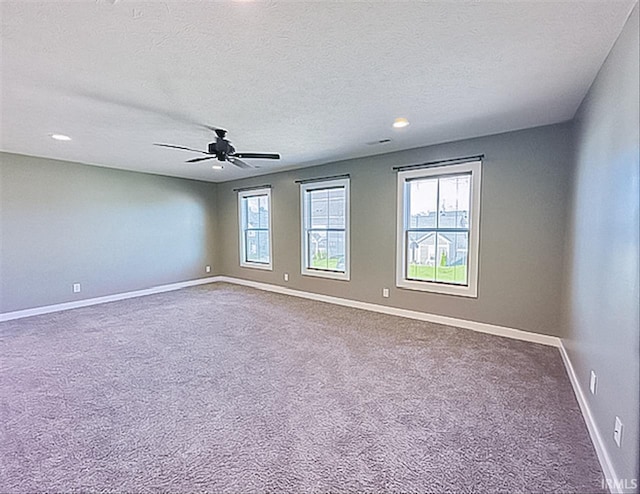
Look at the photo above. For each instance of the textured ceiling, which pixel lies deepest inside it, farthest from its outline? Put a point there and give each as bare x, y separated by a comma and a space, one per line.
315, 82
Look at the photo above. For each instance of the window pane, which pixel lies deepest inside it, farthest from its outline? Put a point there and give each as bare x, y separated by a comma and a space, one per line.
253, 210
263, 221
336, 208
251, 245
317, 255
257, 246
336, 250
455, 194
263, 246
421, 256
423, 203
318, 208
327, 250
451, 258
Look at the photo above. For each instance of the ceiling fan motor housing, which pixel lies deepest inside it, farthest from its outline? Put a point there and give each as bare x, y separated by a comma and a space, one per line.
221, 148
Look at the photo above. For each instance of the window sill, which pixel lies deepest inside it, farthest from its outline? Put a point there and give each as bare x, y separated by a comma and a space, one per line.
326, 274
265, 267
425, 286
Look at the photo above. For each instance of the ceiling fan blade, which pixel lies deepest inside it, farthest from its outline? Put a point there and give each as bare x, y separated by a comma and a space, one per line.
195, 160
175, 115
264, 156
180, 147
239, 163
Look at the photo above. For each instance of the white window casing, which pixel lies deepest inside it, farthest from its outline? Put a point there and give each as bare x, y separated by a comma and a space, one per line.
309, 229
471, 231
262, 258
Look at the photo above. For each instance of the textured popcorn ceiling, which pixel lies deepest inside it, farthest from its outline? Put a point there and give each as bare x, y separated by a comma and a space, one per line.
315, 82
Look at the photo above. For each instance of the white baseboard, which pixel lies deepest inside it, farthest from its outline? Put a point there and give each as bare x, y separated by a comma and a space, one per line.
613, 482
47, 309
394, 311
481, 327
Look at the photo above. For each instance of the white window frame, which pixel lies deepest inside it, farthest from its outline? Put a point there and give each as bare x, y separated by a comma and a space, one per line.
315, 185
471, 289
243, 262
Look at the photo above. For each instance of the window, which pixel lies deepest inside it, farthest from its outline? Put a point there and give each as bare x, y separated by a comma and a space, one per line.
254, 207
438, 229
325, 228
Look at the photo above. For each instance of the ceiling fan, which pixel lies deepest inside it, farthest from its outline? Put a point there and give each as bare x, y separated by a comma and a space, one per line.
222, 150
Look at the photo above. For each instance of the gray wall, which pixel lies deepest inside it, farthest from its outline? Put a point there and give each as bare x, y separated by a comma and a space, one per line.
112, 231
602, 275
525, 181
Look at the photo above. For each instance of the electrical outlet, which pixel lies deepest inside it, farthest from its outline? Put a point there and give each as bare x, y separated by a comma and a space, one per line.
286, 277
76, 288
617, 432
385, 292
593, 383
207, 268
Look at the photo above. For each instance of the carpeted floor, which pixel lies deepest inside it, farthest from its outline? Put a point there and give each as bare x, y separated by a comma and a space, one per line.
225, 388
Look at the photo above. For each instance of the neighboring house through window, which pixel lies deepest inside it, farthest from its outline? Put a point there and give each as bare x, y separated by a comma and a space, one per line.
438, 229
254, 208
325, 228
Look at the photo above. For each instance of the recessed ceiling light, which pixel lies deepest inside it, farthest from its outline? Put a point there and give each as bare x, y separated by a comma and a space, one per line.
60, 137
399, 123
217, 167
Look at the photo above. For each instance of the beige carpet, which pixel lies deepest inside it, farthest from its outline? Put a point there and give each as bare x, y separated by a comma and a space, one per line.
224, 388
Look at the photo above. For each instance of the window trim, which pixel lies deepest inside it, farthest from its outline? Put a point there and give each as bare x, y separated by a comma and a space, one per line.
242, 241
326, 184
471, 289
